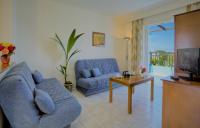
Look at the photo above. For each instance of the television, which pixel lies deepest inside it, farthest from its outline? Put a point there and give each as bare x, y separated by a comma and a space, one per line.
188, 60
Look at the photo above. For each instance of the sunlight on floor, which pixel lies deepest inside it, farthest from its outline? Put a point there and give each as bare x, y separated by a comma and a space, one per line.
162, 71
97, 112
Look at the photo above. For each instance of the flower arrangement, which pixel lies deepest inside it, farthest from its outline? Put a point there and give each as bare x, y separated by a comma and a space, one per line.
6, 49
143, 69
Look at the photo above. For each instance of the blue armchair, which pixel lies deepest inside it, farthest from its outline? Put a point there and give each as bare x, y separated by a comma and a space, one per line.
18, 105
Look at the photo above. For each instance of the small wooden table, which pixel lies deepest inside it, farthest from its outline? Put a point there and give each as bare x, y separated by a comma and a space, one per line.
131, 83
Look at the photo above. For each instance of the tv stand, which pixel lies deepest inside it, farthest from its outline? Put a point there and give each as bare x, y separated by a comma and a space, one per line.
197, 79
186, 78
180, 104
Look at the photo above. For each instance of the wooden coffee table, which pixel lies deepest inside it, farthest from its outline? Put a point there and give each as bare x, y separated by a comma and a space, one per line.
131, 83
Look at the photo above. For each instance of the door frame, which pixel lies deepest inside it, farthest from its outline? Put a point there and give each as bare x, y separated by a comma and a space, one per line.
146, 40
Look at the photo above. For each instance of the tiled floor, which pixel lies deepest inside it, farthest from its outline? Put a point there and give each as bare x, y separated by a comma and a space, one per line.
97, 112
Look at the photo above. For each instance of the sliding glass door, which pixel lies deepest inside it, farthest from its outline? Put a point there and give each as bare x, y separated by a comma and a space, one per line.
160, 38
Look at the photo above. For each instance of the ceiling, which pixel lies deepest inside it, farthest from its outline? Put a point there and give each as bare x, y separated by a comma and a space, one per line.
116, 7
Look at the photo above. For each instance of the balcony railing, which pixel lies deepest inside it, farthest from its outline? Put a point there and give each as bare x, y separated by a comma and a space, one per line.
162, 58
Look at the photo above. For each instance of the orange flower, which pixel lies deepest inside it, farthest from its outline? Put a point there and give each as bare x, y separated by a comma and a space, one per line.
11, 48
5, 51
1, 47
7, 48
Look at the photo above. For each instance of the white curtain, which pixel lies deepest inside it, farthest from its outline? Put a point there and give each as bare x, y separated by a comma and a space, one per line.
137, 50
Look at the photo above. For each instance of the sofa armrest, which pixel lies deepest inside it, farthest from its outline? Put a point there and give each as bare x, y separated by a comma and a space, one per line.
17, 99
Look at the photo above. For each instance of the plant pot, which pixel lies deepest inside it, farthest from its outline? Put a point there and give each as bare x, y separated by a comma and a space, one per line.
5, 61
69, 85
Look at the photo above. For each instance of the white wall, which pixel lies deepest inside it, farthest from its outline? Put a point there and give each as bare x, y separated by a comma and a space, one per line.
37, 20
120, 31
6, 20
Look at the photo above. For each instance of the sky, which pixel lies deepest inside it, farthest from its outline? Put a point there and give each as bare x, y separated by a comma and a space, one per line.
163, 40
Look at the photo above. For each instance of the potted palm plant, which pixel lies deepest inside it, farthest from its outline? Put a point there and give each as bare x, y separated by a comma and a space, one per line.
68, 54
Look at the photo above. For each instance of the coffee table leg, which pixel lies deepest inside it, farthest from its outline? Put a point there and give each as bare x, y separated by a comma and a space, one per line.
129, 99
110, 88
152, 90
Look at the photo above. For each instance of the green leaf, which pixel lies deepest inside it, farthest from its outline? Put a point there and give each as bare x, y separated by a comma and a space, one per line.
58, 40
76, 38
72, 40
62, 69
54, 39
73, 53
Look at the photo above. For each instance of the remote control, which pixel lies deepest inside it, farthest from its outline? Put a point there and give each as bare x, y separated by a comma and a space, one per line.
174, 78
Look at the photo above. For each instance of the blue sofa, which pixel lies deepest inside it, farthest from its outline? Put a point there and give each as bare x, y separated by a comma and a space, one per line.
18, 105
88, 86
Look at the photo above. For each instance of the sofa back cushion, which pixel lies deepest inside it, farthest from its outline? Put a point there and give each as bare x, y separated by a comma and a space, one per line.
86, 73
24, 71
108, 65
96, 72
37, 77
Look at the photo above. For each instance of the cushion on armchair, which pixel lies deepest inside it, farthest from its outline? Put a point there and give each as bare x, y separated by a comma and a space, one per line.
86, 73
37, 77
44, 102
96, 72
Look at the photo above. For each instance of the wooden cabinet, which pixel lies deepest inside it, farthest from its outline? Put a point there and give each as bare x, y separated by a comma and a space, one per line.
187, 32
181, 104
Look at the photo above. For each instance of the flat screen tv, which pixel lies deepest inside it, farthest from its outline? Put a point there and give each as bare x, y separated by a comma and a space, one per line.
188, 60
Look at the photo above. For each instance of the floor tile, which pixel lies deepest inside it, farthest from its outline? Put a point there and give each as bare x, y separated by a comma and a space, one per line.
97, 112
